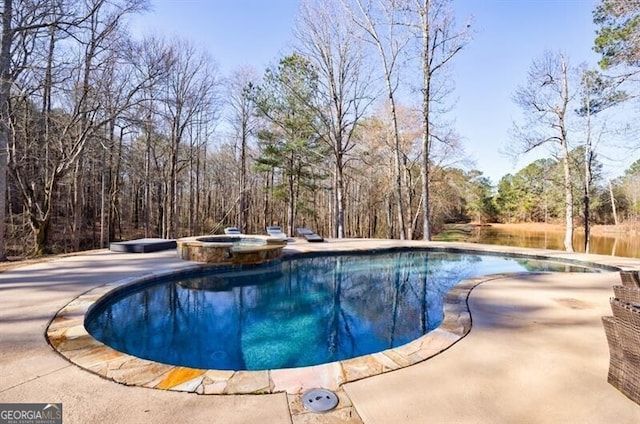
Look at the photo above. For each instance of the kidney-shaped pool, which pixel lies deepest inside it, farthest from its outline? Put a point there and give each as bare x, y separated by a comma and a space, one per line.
293, 313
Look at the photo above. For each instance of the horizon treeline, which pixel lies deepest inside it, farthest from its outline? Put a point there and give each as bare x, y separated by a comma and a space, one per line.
109, 137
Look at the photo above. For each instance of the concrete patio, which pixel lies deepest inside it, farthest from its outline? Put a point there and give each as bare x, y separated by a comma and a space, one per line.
536, 353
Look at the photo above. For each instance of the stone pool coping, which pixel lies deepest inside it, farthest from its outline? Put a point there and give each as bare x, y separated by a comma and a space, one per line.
67, 335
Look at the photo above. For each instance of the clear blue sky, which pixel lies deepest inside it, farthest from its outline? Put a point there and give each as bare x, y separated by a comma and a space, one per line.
509, 34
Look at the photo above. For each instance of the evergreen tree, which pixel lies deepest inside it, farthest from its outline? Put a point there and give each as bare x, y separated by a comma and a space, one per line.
619, 33
290, 143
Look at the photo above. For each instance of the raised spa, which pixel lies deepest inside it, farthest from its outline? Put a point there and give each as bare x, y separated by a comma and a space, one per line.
227, 249
291, 313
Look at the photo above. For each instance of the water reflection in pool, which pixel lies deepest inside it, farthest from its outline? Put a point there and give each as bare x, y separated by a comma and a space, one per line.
300, 312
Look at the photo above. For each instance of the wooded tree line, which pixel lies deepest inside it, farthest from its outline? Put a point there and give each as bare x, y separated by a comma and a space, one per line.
111, 137
569, 107
104, 136
534, 194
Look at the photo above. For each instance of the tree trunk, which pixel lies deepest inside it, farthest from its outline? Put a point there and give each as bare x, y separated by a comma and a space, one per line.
613, 204
198, 215
103, 207
389, 218
340, 201
5, 91
568, 193
243, 180
292, 203
266, 219
426, 136
40, 234
398, 165
114, 209
170, 207
586, 198
147, 182
192, 194
78, 200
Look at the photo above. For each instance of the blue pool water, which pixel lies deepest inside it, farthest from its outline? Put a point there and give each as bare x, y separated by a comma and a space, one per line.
294, 313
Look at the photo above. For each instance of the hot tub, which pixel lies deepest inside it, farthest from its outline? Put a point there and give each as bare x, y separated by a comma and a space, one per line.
230, 249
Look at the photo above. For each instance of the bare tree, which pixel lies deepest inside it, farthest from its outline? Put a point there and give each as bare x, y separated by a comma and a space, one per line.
587, 83
597, 94
242, 118
189, 91
326, 38
152, 59
383, 26
103, 83
440, 41
139, 64
21, 27
5, 94
78, 117
544, 99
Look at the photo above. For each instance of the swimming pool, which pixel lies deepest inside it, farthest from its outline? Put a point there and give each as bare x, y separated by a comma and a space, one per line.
292, 313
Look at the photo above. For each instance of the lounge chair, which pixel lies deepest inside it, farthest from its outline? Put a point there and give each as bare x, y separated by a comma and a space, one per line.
232, 231
276, 231
309, 235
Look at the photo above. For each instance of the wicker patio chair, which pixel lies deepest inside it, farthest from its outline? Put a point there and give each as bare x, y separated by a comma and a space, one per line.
627, 294
630, 279
616, 356
627, 324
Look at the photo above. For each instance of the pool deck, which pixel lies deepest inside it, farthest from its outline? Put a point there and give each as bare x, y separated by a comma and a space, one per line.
536, 353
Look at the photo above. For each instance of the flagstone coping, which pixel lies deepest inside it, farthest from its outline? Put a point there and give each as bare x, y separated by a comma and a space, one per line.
67, 335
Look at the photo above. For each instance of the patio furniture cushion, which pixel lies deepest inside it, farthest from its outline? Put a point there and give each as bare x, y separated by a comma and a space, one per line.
276, 231
309, 235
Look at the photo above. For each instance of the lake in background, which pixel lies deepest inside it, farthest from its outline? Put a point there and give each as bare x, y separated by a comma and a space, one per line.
618, 244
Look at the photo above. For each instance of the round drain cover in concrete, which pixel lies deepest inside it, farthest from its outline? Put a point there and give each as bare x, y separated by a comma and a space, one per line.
319, 400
